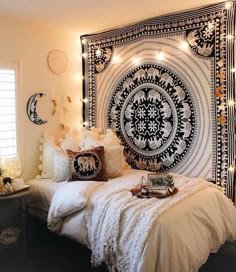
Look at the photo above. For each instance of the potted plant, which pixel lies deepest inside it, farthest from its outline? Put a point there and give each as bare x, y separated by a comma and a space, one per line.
161, 183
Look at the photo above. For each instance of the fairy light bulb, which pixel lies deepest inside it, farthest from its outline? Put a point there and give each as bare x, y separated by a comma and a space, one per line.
136, 60
230, 37
233, 70
116, 59
228, 5
85, 100
231, 103
231, 168
184, 45
84, 55
160, 56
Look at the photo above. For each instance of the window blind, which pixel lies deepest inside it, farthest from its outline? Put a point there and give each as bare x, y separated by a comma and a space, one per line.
8, 133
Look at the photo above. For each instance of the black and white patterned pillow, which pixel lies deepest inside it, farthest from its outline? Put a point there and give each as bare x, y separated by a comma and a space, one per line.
87, 164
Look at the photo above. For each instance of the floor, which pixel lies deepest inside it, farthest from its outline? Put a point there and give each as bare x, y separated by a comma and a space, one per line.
48, 252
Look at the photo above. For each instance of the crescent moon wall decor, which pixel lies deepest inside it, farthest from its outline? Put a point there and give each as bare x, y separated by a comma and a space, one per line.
31, 109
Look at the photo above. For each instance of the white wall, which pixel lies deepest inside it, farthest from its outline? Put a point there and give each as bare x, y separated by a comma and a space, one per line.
30, 45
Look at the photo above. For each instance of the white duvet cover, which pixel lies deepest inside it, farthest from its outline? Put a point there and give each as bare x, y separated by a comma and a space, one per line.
172, 234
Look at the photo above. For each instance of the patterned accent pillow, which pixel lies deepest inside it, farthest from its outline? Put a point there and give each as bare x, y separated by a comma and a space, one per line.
88, 164
113, 161
61, 166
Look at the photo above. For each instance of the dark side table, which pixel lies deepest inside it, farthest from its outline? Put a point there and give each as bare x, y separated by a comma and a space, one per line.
13, 214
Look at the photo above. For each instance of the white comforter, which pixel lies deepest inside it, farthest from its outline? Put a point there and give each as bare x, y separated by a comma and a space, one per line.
172, 234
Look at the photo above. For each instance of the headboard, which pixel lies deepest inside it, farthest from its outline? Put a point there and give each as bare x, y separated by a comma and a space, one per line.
167, 86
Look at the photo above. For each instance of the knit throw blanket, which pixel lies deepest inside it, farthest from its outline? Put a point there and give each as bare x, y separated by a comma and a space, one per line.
121, 223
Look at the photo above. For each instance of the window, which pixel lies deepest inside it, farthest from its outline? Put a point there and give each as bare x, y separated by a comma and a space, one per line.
8, 120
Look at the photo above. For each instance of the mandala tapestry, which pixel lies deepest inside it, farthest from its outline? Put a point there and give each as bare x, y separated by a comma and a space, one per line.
167, 86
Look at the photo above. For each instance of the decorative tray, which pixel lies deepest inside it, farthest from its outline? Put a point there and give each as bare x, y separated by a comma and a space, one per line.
151, 195
26, 187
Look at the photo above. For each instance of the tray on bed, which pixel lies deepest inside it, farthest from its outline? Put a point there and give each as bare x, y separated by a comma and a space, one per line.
151, 194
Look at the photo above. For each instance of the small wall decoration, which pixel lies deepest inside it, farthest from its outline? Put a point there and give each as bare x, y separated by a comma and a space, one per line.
31, 109
166, 85
57, 61
54, 102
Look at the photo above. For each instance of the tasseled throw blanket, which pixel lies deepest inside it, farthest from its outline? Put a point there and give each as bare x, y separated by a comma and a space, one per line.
121, 224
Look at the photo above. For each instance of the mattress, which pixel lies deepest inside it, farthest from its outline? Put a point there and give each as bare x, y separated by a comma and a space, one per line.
41, 197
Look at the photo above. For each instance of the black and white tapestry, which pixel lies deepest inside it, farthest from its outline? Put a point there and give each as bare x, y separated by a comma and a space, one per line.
167, 86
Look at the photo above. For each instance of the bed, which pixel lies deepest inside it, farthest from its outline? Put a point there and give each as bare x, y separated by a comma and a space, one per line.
183, 229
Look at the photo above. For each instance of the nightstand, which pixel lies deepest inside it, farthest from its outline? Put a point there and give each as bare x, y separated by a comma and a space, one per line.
13, 213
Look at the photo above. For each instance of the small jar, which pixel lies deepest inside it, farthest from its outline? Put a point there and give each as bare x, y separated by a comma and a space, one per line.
144, 190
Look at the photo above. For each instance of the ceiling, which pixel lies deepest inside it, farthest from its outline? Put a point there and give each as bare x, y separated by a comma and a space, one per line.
85, 16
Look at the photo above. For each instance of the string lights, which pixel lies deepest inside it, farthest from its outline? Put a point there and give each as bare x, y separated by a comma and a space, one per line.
231, 168
230, 37
232, 103
84, 55
228, 5
136, 60
184, 45
85, 124
160, 56
83, 41
116, 59
233, 70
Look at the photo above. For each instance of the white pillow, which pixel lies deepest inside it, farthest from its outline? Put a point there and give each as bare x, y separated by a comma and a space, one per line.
113, 162
110, 138
71, 141
69, 198
48, 149
73, 200
61, 166
90, 139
